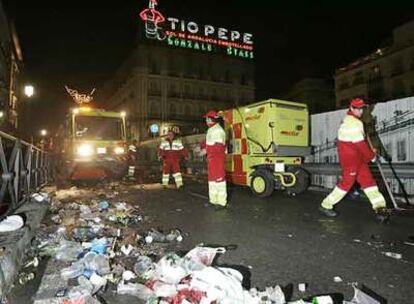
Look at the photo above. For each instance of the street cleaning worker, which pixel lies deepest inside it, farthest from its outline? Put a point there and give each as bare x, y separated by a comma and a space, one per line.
354, 156
132, 158
215, 145
170, 151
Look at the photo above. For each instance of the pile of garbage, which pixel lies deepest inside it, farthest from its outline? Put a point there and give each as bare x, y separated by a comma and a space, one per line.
193, 279
98, 242
101, 248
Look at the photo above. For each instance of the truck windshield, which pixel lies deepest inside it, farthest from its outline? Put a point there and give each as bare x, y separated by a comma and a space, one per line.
98, 128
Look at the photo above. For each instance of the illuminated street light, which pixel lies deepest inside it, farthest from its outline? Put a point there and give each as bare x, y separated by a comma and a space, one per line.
29, 90
123, 114
1, 114
43, 132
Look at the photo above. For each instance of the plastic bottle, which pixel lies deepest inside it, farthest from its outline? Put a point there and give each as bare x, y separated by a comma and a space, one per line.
26, 277
174, 235
138, 290
143, 265
101, 265
73, 271
156, 236
88, 259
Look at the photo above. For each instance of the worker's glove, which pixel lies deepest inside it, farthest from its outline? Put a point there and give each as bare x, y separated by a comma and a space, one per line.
374, 159
160, 158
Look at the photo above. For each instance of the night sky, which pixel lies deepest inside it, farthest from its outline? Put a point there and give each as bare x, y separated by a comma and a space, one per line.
81, 43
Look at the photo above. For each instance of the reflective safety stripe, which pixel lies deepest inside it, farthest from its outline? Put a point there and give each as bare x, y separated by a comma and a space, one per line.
375, 197
371, 189
333, 198
351, 130
178, 179
215, 134
131, 170
217, 192
165, 179
177, 145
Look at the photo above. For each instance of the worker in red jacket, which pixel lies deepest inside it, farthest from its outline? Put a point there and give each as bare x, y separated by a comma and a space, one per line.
215, 145
354, 156
171, 150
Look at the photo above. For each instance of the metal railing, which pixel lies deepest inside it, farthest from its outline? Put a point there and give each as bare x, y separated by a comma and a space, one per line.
24, 169
402, 170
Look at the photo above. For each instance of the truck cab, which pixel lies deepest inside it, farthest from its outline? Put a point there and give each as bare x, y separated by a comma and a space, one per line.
95, 144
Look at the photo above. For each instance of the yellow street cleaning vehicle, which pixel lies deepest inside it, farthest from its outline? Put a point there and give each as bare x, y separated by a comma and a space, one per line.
266, 144
95, 144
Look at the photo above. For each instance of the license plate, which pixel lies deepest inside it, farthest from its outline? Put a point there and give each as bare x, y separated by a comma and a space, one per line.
280, 167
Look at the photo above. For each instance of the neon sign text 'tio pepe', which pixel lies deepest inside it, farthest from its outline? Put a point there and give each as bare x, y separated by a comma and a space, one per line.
191, 35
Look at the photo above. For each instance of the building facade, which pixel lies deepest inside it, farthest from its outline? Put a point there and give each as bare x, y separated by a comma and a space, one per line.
385, 74
163, 88
315, 92
10, 69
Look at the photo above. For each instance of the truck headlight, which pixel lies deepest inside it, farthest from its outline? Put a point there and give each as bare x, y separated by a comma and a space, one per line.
119, 150
85, 150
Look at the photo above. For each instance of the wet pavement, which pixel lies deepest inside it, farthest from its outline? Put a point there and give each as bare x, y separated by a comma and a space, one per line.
283, 240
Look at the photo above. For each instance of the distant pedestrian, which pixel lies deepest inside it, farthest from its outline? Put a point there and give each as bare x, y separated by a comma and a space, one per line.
132, 159
354, 156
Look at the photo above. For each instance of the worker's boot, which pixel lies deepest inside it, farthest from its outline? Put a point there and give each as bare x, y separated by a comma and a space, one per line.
328, 212
382, 215
220, 207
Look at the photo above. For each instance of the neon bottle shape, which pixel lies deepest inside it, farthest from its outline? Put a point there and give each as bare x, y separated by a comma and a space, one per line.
152, 18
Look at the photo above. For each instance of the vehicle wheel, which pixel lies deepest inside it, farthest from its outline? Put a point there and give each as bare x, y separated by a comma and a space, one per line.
262, 183
302, 181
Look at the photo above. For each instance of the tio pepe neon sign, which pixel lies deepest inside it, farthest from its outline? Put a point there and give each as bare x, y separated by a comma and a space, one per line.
207, 38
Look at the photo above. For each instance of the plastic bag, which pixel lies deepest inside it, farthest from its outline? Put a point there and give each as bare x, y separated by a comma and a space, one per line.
138, 290
170, 269
68, 251
204, 255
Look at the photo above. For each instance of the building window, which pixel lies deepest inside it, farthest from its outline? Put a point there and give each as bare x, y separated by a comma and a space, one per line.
187, 110
187, 91
154, 88
154, 108
131, 95
388, 150
173, 109
173, 90
401, 150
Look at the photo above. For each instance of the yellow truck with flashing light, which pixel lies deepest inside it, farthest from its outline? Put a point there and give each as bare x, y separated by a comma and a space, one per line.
95, 144
266, 144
